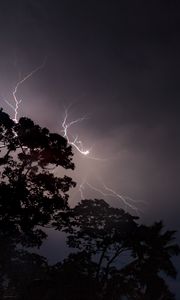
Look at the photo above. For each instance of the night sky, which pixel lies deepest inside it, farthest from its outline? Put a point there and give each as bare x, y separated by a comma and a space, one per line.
118, 64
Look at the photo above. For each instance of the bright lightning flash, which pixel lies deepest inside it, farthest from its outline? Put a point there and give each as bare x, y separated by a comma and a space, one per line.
105, 190
75, 142
15, 106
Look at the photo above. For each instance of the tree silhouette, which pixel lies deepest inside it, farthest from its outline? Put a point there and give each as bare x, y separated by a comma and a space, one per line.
31, 196
100, 230
129, 259
72, 279
115, 257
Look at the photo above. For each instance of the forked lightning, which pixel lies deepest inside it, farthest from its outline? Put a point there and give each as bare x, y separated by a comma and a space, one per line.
15, 106
76, 143
109, 192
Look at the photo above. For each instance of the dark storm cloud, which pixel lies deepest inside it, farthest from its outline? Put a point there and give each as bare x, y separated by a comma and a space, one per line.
118, 62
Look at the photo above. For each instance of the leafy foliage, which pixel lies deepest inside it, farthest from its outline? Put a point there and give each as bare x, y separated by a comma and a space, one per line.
30, 194
116, 258
129, 259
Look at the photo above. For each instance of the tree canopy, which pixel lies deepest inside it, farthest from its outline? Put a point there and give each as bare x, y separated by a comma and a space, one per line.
129, 259
31, 196
114, 257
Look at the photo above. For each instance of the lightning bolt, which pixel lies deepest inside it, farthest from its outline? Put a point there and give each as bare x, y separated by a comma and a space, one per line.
15, 106
109, 192
105, 191
75, 142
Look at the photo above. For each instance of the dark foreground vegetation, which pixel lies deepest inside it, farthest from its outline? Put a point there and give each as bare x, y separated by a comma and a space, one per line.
115, 257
